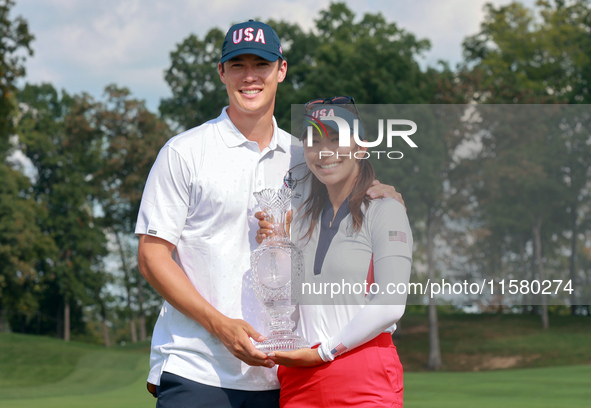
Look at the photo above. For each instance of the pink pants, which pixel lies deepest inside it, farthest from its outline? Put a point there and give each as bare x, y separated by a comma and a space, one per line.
368, 376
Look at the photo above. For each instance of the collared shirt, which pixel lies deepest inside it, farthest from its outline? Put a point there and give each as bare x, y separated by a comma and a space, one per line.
199, 197
338, 261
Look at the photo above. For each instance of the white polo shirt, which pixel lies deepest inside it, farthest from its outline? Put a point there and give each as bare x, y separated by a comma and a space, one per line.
199, 197
337, 254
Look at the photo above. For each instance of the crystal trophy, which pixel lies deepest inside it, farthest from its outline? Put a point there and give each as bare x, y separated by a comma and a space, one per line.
277, 265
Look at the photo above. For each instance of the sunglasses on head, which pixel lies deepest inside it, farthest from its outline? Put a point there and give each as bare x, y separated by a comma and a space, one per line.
335, 100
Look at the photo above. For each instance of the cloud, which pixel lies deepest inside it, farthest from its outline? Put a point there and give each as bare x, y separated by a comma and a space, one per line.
84, 45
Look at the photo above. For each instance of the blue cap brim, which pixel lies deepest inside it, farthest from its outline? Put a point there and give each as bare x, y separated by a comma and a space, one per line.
269, 56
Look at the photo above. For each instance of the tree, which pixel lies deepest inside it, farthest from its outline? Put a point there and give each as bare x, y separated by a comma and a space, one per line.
371, 59
59, 137
197, 92
16, 41
20, 244
520, 58
132, 137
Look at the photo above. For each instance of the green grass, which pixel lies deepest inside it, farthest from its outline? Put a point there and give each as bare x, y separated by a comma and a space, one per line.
45, 372
553, 387
133, 395
485, 342
42, 372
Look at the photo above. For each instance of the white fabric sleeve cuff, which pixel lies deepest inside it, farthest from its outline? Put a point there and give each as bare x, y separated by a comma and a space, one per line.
324, 353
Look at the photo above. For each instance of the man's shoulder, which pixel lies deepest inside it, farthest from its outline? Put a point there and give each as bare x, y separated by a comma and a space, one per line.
187, 138
284, 134
295, 146
287, 138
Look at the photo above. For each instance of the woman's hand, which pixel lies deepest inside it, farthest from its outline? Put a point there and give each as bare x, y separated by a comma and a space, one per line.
304, 357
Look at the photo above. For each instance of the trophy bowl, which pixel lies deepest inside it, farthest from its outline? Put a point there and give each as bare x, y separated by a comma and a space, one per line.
277, 264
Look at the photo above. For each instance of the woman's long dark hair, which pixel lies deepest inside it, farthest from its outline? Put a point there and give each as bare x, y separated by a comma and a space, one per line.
315, 203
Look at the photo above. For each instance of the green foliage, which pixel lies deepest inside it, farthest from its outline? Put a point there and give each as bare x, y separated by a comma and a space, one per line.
197, 92
21, 245
15, 39
528, 57
91, 161
371, 59
299, 48
132, 137
20, 241
531, 174
472, 342
63, 143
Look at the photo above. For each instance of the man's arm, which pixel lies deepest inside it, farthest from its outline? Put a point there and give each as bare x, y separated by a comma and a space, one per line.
161, 271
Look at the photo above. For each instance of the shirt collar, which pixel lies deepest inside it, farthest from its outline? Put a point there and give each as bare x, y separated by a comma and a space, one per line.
328, 213
232, 137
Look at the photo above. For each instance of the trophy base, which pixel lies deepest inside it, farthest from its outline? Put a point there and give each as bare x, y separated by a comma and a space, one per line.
282, 340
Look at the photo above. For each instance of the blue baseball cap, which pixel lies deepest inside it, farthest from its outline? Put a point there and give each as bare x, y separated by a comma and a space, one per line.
331, 110
252, 37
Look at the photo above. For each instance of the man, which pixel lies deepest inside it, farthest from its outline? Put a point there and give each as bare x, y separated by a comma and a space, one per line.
196, 228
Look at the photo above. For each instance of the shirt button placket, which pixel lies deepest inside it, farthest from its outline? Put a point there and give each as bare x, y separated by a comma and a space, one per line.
260, 174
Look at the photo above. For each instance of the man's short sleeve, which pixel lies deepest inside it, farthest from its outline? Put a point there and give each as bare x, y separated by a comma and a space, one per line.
166, 198
390, 229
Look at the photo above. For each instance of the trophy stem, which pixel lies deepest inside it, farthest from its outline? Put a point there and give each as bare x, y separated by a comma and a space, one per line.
280, 315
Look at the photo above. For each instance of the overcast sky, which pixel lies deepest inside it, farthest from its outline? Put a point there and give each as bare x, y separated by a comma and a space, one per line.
84, 45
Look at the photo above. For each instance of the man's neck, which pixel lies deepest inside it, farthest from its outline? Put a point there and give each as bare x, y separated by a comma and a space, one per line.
254, 127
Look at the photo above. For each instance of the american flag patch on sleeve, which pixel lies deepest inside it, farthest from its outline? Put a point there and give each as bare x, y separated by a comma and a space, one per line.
397, 236
338, 350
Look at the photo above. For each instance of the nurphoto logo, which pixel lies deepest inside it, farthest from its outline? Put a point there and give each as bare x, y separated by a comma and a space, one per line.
402, 128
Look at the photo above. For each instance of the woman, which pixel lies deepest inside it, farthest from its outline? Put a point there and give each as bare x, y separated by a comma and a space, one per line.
346, 239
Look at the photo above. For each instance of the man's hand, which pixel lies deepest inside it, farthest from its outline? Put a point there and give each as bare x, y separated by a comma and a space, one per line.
162, 272
379, 190
303, 357
235, 334
265, 227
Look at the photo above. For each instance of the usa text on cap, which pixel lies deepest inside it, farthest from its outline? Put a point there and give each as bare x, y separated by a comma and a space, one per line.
252, 37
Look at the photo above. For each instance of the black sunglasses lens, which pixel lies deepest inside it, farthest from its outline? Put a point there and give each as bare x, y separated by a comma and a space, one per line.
341, 100
335, 100
314, 102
